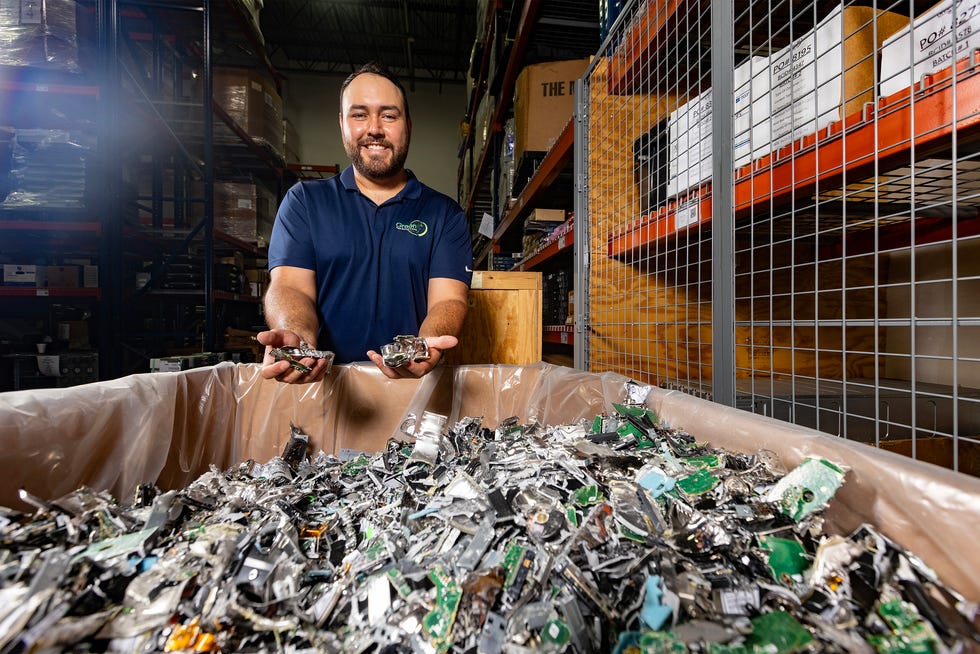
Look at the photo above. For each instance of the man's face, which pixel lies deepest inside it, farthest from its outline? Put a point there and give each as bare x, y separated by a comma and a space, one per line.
374, 126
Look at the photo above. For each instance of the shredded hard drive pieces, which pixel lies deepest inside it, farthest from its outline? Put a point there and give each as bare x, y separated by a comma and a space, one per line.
617, 535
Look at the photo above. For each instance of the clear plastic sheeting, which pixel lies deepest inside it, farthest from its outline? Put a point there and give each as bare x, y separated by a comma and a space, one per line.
168, 428
48, 169
41, 34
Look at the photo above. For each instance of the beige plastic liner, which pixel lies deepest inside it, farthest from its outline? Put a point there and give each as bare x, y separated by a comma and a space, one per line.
168, 428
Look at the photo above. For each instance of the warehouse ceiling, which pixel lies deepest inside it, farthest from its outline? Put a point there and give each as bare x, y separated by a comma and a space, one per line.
417, 39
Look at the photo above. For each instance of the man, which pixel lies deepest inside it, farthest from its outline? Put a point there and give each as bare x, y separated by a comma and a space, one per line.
369, 254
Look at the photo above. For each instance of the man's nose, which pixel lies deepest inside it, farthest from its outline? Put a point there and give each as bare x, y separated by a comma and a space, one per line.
375, 125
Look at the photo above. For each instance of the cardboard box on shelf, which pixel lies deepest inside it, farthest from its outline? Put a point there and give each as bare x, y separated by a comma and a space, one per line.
823, 76
15, 274
90, 276
689, 157
239, 208
926, 45
481, 123
290, 142
816, 80
63, 276
253, 103
544, 100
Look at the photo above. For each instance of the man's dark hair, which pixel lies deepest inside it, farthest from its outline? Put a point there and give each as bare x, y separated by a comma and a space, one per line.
375, 69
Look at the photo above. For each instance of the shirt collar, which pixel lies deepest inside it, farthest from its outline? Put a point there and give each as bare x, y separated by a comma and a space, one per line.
412, 190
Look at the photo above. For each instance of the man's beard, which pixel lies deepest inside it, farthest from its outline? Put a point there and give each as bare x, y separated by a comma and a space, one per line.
375, 168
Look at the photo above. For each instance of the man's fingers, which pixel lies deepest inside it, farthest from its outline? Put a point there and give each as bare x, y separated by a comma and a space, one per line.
442, 342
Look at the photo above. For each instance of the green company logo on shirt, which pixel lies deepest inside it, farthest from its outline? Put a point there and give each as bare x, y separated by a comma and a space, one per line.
415, 228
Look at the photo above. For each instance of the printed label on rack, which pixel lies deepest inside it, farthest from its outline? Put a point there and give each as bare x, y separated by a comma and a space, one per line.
687, 213
42, 292
561, 243
564, 338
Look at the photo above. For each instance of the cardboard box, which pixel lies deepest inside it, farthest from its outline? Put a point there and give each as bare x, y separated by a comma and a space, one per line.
481, 123
818, 79
63, 276
290, 142
239, 208
15, 274
90, 276
927, 45
544, 100
823, 76
253, 103
689, 131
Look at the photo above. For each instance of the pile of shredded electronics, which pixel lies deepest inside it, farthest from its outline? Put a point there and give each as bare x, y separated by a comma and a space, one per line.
615, 535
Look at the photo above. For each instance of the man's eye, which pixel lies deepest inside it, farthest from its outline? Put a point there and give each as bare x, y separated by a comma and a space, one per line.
389, 116
358, 115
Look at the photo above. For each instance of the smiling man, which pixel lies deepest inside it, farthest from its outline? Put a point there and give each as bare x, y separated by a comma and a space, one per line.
372, 253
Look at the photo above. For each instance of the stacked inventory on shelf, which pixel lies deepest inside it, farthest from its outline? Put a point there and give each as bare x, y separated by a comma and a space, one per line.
49, 206
516, 149
140, 169
786, 221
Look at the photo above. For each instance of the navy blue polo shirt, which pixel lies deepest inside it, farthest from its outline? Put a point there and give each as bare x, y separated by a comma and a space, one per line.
372, 263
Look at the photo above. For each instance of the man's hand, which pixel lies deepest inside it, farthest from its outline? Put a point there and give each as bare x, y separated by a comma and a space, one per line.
436, 344
281, 370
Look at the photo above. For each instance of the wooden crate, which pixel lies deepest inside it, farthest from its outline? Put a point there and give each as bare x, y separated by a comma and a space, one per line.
503, 324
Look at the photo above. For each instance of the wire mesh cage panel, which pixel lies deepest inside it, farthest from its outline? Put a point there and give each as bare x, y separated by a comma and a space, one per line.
783, 213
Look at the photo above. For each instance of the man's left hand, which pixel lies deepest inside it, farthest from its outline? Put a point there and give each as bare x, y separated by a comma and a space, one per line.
436, 344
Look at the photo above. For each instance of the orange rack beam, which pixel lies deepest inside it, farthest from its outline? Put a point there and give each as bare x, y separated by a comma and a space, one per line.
876, 136
563, 334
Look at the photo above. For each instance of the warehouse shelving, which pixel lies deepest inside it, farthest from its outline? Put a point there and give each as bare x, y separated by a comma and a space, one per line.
554, 163
829, 281
523, 39
189, 143
877, 137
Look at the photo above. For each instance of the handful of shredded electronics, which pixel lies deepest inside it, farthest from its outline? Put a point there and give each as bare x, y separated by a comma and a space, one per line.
618, 535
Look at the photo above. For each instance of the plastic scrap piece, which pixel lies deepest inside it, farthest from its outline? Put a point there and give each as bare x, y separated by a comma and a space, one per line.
654, 614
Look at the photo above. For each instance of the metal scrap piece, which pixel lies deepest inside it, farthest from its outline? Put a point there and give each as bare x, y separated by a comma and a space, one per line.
404, 349
293, 354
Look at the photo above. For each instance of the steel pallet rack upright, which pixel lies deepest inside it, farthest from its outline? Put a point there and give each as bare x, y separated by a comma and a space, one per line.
159, 62
510, 39
809, 253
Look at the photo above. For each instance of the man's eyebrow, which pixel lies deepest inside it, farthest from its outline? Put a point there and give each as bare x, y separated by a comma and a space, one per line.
386, 107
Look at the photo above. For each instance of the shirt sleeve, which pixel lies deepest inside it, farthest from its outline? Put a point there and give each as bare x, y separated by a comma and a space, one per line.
453, 255
291, 243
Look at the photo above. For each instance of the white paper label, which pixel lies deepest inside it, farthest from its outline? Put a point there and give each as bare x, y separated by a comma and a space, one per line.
486, 225
687, 213
804, 86
49, 365
30, 12
689, 129
930, 47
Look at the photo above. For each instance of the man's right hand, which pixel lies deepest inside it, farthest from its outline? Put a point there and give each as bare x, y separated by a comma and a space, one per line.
281, 370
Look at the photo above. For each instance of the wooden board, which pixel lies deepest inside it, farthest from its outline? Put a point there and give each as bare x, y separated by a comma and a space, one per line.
503, 323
